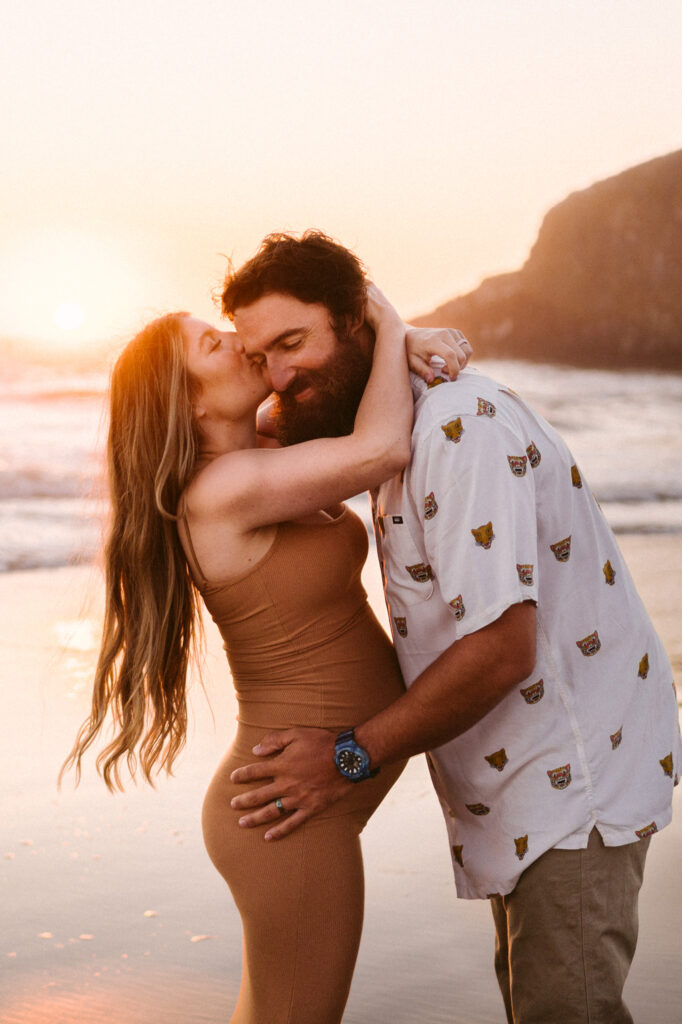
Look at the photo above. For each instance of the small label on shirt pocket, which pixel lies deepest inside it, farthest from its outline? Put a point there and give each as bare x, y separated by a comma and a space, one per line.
410, 575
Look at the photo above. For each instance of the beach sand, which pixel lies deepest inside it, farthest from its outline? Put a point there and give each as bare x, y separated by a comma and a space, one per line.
111, 910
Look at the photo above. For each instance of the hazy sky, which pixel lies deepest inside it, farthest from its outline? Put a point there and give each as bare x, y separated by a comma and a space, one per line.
141, 139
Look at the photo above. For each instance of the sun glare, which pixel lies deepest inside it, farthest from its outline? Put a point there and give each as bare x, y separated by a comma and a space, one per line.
63, 289
68, 316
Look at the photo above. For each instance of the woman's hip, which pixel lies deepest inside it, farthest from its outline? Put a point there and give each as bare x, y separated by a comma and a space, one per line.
223, 835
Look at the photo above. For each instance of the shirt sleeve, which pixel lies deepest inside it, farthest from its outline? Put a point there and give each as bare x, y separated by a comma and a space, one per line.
473, 480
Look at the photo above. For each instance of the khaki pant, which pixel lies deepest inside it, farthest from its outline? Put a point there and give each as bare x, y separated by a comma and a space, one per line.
566, 935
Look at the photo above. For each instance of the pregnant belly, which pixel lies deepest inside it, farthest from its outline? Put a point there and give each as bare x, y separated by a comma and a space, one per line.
334, 686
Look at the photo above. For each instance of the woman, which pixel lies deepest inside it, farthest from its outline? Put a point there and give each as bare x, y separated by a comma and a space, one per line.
261, 534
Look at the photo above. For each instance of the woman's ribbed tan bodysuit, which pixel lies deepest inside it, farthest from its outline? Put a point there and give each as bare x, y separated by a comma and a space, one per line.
305, 649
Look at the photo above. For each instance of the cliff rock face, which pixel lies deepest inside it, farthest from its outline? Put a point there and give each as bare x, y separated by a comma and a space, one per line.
602, 286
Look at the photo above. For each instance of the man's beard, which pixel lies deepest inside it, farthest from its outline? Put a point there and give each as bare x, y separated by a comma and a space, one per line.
330, 410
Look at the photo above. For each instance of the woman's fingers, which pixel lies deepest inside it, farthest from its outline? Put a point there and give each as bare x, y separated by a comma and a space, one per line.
378, 308
447, 345
443, 345
420, 366
464, 349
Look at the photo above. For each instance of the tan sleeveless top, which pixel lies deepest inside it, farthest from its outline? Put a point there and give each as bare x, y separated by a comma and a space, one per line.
302, 642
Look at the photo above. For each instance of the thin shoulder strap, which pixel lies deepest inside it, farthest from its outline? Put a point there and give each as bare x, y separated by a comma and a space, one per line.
190, 553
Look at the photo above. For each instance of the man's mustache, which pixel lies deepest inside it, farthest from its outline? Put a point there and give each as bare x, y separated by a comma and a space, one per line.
301, 382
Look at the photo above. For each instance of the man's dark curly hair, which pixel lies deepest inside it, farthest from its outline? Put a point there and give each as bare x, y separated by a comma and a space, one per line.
313, 268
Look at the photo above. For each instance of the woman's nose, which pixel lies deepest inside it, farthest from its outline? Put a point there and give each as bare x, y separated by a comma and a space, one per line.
232, 340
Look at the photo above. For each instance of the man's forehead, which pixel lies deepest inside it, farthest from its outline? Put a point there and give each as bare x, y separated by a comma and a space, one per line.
274, 318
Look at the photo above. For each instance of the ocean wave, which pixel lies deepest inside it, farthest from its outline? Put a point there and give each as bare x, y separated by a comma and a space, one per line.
638, 493
50, 533
623, 430
38, 384
644, 516
58, 394
39, 483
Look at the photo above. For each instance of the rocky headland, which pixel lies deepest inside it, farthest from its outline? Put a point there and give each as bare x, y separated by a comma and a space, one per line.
602, 286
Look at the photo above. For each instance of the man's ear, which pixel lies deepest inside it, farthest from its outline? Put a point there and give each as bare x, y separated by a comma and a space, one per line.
355, 323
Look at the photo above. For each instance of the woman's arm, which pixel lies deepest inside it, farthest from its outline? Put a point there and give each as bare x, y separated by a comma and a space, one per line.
263, 486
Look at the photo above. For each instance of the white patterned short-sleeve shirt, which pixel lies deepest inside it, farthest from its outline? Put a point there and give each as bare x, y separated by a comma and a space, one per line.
491, 511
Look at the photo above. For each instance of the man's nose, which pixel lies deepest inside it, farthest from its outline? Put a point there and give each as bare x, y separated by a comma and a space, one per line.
280, 374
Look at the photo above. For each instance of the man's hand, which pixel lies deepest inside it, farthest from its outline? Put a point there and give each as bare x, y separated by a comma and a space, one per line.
444, 343
298, 766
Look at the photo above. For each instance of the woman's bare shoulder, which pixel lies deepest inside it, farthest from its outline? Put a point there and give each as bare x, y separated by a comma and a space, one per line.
219, 483
220, 542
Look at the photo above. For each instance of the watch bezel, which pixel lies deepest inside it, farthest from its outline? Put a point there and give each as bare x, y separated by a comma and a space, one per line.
348, 750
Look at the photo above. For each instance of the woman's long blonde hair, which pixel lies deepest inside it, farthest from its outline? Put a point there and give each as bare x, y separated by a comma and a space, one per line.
149, 630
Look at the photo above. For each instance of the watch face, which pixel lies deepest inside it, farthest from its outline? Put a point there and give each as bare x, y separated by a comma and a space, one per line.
350, 763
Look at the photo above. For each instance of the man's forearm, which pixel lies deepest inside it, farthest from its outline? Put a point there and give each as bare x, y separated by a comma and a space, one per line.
461, 686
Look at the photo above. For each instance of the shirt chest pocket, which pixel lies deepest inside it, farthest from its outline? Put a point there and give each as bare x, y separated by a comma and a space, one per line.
409, 576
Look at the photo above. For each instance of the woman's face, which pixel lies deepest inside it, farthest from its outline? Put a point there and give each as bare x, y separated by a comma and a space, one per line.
229, 385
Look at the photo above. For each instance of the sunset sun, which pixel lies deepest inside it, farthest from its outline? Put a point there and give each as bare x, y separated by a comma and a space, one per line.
68, 316
93, 287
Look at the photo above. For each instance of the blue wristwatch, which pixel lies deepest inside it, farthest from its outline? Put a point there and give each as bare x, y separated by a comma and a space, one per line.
351, 759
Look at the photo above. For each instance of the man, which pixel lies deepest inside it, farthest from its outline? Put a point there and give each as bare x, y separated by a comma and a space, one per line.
535, 678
